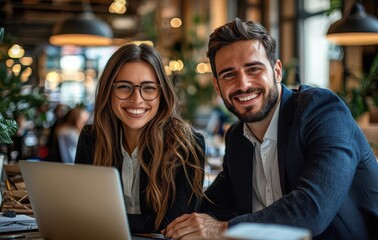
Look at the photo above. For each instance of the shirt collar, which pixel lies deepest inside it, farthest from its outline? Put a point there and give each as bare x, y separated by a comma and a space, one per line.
271, 132
134, 154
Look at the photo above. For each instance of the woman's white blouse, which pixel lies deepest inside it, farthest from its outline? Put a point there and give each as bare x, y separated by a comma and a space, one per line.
130, 179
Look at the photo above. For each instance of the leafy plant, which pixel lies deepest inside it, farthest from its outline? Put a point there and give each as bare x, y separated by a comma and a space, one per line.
7, 127
358, 98
17, 98
194, 89
367, 89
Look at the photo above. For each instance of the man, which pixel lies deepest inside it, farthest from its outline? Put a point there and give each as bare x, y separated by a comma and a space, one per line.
296, 157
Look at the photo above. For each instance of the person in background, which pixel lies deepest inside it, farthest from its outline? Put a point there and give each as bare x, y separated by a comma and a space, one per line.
219, 120
296, 157
59, 112
67, 133
137, 129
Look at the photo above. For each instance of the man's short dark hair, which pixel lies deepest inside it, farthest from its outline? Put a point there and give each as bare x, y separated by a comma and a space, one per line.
238, 30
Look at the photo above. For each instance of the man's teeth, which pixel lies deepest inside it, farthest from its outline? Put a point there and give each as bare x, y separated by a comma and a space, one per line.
136, 111
249, 97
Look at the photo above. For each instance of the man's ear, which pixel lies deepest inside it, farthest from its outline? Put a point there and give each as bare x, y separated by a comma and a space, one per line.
216, 86
278, 71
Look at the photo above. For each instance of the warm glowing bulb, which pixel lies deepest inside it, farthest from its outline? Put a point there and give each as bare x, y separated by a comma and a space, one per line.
173, 65
123, 2
16, 51
122, 10
136, 42
176, 22
180, 65
111, 8
176, 65
167, 70
202, 68
27, 71
26, 61
16, 69
9, 63
52, 77
26, 74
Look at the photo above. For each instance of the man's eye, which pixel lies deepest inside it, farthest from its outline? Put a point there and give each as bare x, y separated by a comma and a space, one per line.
228, 76
253, 70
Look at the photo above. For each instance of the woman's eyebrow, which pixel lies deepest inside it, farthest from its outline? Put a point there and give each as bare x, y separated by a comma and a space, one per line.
122, 80
127, 81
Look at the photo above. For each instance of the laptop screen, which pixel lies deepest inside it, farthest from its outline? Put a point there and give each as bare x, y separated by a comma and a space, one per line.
76, 201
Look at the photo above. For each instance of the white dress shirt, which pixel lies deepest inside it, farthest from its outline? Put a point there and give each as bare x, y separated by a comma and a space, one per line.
265, 177
130, 179
67, 139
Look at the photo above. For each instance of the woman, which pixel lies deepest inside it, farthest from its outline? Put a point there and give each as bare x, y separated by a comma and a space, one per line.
67, 133
137, 128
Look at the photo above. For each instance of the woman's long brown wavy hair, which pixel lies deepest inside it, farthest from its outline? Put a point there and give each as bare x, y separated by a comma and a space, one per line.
167, 137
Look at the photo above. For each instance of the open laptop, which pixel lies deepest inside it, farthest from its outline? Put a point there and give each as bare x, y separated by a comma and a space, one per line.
76, 201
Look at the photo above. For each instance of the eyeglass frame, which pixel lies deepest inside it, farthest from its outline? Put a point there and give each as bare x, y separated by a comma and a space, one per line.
134, 86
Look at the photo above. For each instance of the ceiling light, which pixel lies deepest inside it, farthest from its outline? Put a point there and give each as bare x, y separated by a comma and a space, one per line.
356, 28
16, 51
84, 30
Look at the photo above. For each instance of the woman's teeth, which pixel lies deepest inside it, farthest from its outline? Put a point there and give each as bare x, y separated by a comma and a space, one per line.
136, 111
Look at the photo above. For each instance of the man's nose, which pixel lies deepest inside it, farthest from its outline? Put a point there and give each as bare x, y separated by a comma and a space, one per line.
243, 81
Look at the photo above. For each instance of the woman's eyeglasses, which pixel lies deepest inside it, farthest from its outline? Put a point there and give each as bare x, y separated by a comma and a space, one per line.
148, 91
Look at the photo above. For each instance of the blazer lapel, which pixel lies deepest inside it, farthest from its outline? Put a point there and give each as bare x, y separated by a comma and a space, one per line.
241, 169
287, 108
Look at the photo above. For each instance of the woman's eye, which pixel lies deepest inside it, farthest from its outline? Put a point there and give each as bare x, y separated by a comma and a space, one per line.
124, 87
149, 88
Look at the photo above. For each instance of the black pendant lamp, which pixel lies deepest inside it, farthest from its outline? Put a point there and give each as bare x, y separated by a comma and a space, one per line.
355, 29
84, 29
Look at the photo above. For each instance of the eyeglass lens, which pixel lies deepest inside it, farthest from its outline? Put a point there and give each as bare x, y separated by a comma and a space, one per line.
148, 91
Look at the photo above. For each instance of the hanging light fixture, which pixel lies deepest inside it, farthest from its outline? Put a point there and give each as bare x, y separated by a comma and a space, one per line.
356, 28
84, 29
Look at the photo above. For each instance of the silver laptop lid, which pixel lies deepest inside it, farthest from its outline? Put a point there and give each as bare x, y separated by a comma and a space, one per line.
76, 201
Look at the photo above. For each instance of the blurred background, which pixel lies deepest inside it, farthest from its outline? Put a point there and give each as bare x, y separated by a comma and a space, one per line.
53, 52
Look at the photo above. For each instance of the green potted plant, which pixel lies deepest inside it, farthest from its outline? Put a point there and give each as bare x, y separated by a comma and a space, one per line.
17, 98
364, 97
8, 127
363, 101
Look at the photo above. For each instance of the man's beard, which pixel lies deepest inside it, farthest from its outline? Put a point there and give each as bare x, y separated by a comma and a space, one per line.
249, 117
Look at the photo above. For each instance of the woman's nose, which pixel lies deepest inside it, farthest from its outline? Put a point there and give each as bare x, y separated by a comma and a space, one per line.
136, 96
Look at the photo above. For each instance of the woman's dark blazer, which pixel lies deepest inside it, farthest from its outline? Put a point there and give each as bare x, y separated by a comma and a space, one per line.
183, 202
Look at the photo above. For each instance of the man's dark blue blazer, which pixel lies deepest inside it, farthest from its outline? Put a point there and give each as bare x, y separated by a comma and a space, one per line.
328, 172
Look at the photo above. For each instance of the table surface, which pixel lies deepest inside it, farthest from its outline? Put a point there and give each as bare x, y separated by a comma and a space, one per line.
34, 234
